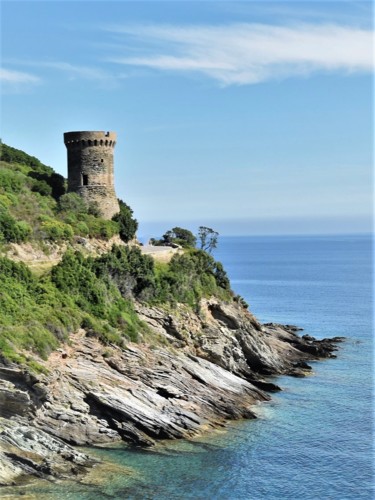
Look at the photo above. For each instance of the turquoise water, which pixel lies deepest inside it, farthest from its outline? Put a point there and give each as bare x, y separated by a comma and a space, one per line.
314, 439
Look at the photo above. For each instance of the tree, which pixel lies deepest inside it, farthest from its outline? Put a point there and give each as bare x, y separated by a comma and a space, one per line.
55, 183
128, 225
207, 238
179, 236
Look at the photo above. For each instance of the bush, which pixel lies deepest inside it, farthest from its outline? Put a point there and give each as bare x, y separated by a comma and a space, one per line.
101, 228
16, 270
12, 231
50, 184
72, 202
127, 224
82, 228
97, 293
55, 230
41, 187
191, 276
11, 182
103, 331
128, 269
179, 236
23, 321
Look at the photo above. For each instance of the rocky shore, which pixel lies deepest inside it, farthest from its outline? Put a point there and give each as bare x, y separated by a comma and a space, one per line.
203, 368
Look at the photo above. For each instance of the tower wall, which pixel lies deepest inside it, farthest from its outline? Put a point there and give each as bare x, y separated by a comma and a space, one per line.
90, 168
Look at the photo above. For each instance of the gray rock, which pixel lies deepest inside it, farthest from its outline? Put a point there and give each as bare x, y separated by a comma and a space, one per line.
25, 451
141, 393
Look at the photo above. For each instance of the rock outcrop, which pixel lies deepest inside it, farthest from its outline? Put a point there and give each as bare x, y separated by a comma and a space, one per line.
198, 370
29, 451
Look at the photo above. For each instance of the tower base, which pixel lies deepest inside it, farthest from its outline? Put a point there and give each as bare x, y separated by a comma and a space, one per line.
103, 196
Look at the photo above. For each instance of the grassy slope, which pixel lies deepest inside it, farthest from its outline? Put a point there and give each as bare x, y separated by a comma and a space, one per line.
96, 293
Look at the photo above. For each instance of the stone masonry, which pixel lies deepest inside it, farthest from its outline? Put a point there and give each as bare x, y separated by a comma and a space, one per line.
90, 168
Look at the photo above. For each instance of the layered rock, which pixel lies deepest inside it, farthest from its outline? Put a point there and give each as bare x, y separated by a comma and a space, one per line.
200, 369
29, 451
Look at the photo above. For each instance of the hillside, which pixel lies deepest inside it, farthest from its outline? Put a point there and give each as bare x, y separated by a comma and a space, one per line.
111, 345
34, 205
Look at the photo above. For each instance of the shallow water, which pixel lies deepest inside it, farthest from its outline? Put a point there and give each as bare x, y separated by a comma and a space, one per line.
314, 439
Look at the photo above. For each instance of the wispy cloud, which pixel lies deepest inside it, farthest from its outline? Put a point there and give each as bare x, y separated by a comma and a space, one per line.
249, 53
8, 76
71, 72
76, 71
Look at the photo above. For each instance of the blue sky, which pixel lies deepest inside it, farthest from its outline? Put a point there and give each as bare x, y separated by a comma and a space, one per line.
249, 117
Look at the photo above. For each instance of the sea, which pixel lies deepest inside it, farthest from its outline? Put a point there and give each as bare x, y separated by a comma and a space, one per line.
314, 439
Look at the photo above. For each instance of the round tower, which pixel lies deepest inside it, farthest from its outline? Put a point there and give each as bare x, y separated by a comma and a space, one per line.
90, 168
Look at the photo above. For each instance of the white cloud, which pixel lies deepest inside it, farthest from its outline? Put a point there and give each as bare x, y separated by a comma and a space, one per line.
8, 76
76, 71
249, 53
71, 71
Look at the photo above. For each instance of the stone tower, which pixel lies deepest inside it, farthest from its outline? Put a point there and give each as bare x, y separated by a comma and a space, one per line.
90, 168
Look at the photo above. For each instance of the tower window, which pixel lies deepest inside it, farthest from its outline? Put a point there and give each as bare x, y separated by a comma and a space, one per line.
101, 160
85, 180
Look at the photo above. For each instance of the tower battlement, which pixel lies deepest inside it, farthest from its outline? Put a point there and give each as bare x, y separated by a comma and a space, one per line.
90, 168
85, 139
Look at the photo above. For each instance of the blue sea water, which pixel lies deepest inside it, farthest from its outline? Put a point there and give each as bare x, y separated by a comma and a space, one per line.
314, 440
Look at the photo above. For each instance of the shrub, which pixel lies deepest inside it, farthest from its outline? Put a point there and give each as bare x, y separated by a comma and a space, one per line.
55, 230
126, 223
189, 277
70, 218
11, 182
17, 270
103, 331
11, 230
41, 187
72, 202
179, 236
82, 228
4, 201
101, 228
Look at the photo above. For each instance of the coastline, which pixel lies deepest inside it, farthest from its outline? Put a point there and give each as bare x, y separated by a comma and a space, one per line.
215, 367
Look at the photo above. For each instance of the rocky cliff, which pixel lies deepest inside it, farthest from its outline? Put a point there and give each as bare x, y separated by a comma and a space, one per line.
205, 367
69, 373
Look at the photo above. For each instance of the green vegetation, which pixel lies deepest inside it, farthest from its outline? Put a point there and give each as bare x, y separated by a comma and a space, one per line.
34, 205
188, 278
82, 219
95, 293
43, 179
127, 224
34, 317
207, 238
38, 314
176, 236
11, 230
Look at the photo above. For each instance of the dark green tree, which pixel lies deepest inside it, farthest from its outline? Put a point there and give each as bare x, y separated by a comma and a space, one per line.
12, 230
127, 223
55, 183
207, 238
179, 236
